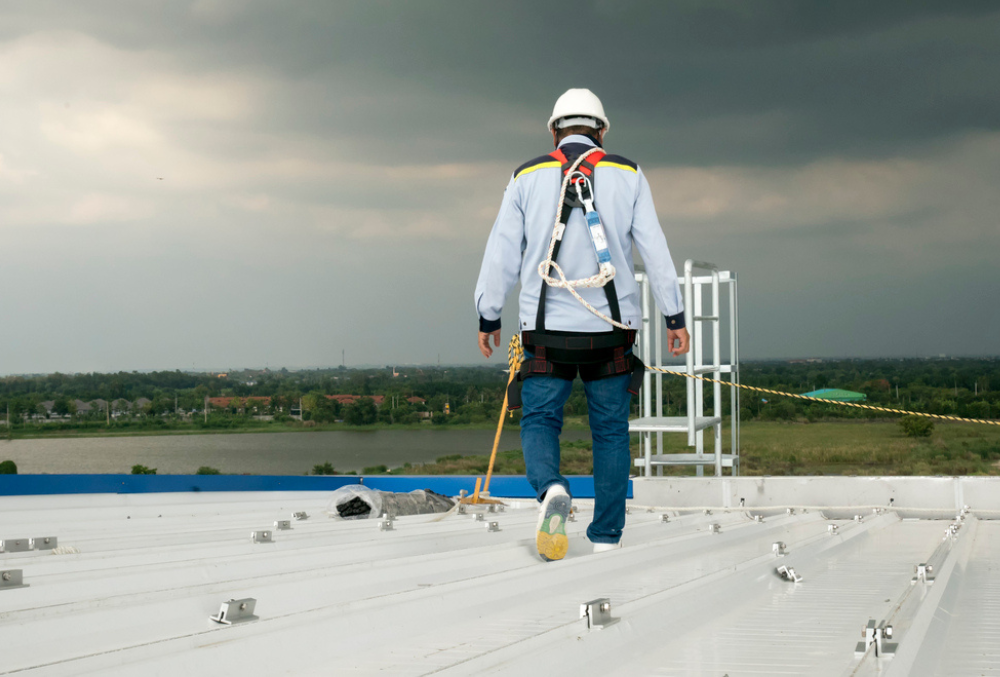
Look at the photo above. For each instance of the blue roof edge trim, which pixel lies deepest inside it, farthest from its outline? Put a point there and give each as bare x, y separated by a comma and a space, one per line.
508, 486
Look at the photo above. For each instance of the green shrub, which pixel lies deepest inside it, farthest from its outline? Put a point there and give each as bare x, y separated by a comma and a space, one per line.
916, 426
143, 470
8, 468
207, 470
325, 469
375, 470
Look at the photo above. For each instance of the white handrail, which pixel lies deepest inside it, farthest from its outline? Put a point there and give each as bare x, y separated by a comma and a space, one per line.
695, 421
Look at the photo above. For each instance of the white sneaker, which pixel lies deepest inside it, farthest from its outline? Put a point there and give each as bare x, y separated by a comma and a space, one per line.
605, 547
551, 539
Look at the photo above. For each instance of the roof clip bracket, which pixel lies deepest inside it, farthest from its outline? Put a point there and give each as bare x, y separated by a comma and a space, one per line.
923, 574
236, 611
787, 573
261, 536
15, 545
12, 578
597, 613
879, 636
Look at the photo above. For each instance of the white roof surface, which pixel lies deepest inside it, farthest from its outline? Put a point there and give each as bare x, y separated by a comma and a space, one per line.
450, 597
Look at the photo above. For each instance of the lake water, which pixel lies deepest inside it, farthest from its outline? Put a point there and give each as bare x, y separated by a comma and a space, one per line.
255, 453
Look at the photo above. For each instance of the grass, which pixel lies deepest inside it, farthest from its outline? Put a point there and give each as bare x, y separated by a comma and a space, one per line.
827, 448
868, 448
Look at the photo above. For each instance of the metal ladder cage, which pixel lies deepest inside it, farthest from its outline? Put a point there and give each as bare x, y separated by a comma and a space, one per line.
695, 422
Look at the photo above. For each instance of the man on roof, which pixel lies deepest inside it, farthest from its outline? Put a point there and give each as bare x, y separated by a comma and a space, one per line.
566, 228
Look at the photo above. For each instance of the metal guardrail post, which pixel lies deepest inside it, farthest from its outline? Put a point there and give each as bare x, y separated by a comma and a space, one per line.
690, 324
717, 373
646, 377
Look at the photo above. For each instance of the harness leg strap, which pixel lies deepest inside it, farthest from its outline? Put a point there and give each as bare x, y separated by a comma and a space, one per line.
638, 369
514, 393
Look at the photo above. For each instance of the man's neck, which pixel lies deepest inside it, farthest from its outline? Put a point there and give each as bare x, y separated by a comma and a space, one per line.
580, 138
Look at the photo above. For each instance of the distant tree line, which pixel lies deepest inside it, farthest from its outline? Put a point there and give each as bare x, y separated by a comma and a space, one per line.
968, 387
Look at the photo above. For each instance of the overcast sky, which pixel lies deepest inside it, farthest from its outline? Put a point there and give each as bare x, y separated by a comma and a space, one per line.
225, 183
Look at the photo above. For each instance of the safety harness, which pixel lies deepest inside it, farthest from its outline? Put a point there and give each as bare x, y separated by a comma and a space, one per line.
560, 353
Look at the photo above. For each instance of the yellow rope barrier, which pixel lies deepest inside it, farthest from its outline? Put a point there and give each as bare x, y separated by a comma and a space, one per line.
768, 391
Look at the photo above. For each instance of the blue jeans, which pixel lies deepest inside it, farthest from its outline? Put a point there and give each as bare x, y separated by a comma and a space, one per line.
608, 399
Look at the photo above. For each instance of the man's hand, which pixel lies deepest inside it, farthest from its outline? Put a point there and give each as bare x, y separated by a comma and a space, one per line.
672, 336
484, 342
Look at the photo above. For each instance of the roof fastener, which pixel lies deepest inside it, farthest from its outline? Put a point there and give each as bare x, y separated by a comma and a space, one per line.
12, 578
236, 611
261, 537
15, 545
923, 573
876, 635
788, 574
597, 613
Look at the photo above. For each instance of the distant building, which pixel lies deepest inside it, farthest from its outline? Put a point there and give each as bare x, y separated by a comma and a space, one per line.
240, 402
82, 407
837, 395
350, 399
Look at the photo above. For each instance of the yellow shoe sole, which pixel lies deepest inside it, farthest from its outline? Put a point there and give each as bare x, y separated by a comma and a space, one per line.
551, 540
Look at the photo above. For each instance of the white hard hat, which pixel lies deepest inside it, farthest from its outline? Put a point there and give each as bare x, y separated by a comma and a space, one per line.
578, 107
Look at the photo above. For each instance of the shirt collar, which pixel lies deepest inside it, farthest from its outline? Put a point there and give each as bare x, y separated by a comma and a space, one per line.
579, 138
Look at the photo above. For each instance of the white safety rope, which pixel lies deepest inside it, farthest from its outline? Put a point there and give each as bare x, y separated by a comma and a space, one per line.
605, 273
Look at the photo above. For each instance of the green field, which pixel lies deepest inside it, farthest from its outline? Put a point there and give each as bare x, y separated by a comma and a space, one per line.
772, 448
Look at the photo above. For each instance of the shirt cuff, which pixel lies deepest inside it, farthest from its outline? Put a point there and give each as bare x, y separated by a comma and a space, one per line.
675, 322
490, 326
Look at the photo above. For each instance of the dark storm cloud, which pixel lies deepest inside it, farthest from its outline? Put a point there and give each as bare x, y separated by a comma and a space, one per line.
335, 167
685, 82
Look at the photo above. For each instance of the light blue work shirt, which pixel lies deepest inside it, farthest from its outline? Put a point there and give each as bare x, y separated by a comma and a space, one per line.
520, 238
